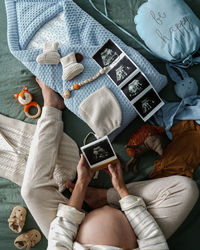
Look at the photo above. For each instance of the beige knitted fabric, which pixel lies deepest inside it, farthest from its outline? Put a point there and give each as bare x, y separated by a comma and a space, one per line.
50, 54
70, 67
101, 111
15, 141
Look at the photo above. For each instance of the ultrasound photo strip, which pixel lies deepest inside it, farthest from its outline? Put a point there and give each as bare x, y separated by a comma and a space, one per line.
119, 69
129, 78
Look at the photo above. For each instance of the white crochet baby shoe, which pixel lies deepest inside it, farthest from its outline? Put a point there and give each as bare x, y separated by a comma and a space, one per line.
17, 219
50, 54
28, 239
70, 67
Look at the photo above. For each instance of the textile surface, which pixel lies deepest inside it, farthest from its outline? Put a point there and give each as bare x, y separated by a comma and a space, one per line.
85, 35
13, 77
171, 113
19, 135
182, 154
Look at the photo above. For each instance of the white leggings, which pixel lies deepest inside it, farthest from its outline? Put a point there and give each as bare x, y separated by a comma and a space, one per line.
168, 199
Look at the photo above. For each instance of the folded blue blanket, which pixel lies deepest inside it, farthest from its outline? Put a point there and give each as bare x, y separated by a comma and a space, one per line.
85, 35
173, 112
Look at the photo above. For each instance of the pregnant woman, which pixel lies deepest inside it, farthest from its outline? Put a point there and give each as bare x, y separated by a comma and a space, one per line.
140, 215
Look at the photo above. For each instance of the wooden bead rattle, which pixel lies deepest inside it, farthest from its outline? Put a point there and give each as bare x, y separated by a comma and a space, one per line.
25, 98
66, 93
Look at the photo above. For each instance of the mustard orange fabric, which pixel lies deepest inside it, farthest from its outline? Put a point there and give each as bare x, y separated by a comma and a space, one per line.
182, 155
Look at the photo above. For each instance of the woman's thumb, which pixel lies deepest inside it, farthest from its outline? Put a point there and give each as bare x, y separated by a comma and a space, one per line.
111, 169
82, 158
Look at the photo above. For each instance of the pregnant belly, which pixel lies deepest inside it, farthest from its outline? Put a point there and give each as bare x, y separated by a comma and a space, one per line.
107, 226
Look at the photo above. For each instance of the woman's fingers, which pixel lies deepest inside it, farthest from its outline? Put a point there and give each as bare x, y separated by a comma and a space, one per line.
111, 169
118, 165
70, 185
83, 161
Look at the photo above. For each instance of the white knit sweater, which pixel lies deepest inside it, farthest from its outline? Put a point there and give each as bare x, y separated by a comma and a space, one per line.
15, 140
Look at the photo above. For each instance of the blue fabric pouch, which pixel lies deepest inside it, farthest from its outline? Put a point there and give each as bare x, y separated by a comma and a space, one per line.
84, 35
169, 28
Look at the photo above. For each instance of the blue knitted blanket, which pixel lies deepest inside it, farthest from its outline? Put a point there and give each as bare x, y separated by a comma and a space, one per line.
84, 35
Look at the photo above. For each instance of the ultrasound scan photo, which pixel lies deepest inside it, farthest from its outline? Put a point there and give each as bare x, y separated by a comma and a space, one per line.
121, 70
147, 103
98, 152
107, 54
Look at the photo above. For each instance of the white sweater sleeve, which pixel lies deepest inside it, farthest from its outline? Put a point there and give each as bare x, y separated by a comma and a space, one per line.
145, 227
63, 228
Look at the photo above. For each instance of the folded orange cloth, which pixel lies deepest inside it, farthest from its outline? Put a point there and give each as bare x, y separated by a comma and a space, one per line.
182, 155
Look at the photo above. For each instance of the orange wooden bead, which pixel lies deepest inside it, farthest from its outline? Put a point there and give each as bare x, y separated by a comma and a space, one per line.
76, 86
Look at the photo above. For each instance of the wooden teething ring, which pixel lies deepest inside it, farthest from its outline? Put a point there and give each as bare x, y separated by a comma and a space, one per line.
32, 104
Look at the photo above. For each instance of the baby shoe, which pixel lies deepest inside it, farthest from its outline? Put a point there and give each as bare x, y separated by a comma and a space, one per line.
50, 54
17, 219
28, 239
70, 67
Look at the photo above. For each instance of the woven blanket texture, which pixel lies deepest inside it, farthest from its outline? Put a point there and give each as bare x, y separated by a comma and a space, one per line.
84, 35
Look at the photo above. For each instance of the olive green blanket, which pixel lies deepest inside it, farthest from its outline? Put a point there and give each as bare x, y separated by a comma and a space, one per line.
13, 77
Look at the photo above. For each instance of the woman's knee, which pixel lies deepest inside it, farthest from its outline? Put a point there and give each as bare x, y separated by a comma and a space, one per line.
190, 188
193, 189
25, 192
29, 193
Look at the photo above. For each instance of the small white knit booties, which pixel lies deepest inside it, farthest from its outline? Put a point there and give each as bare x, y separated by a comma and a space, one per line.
17, 219
28, 239
50, 54
70, 67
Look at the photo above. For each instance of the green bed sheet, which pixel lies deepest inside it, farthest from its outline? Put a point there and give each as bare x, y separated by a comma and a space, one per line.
14, 75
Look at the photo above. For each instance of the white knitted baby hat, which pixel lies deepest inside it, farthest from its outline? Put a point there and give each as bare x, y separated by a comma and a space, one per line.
101, 111
70, 67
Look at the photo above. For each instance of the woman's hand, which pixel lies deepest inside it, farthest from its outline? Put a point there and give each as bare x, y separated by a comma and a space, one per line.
115, 172
84, 177
84, 171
